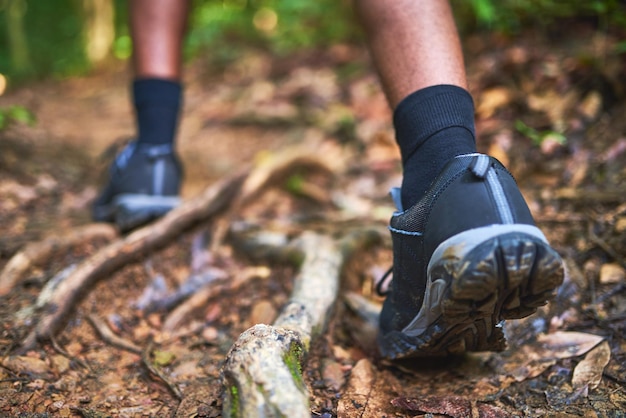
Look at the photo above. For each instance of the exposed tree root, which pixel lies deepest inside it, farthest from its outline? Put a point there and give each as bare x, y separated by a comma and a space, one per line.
177, 317
129, 249
263, 370
231, 193
36, 253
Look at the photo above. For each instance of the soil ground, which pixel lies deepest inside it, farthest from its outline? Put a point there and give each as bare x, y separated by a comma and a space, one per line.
567, 360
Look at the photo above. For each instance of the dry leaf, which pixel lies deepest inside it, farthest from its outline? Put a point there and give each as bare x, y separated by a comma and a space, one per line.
163, 358
532, 369
566, 344
589, 371
493, 99
453, 406
490, 411
579, 167
612, 273
591, 105
26, 365
535, 359
620, 224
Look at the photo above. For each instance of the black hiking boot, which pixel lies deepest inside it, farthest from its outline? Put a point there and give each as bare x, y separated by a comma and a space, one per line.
144, 183
467, 256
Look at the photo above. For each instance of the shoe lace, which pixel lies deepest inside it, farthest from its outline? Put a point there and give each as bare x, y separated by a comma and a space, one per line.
161, 150
121, 161
385, 280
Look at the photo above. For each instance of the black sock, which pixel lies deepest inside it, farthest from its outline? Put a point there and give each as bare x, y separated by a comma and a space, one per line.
157, 105
432, 125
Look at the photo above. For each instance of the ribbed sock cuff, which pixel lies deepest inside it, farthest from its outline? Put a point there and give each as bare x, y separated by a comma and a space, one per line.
427, 111
432, 125
157, 105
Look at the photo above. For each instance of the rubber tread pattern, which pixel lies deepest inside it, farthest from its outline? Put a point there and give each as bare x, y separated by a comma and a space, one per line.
506, 277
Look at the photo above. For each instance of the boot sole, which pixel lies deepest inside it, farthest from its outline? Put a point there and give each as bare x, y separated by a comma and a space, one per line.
476, 280
130, 211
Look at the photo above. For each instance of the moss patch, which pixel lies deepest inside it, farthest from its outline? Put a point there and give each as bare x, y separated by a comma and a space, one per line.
234, 401
293, 360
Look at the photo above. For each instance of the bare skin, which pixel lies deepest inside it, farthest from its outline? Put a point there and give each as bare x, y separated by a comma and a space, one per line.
414, 44
158, 28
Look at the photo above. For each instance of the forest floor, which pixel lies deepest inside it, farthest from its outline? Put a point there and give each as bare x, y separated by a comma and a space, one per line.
569, 359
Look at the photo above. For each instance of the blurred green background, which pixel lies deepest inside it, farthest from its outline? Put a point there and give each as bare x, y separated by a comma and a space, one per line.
63, 38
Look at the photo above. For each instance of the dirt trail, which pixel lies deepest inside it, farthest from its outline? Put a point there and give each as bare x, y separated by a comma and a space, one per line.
566, 360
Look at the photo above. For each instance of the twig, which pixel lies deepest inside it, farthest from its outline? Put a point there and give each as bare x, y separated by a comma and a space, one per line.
68, 356
614, 377
145, 359
580, 195
109, 336
606, 247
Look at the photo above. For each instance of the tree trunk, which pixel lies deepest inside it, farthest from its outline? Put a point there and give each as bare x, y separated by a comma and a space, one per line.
99, 29
18, 44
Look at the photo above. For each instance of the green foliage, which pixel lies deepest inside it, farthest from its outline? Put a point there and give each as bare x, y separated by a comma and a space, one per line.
512, 15
281, 26
539, 137
53, 32
47, 38
13, 114
295, 184
123, 44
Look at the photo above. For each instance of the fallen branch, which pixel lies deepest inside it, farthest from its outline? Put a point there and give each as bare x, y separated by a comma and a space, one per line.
127, 250
110, 338
263, 371
36, 253
157, 373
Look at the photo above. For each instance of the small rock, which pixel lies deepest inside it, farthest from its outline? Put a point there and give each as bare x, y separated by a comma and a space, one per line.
60, 363
332, 373
358, 389
141, 331
341, 353
210, 334
213, 312
263, 312
26, 364
56, 406
154, 319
